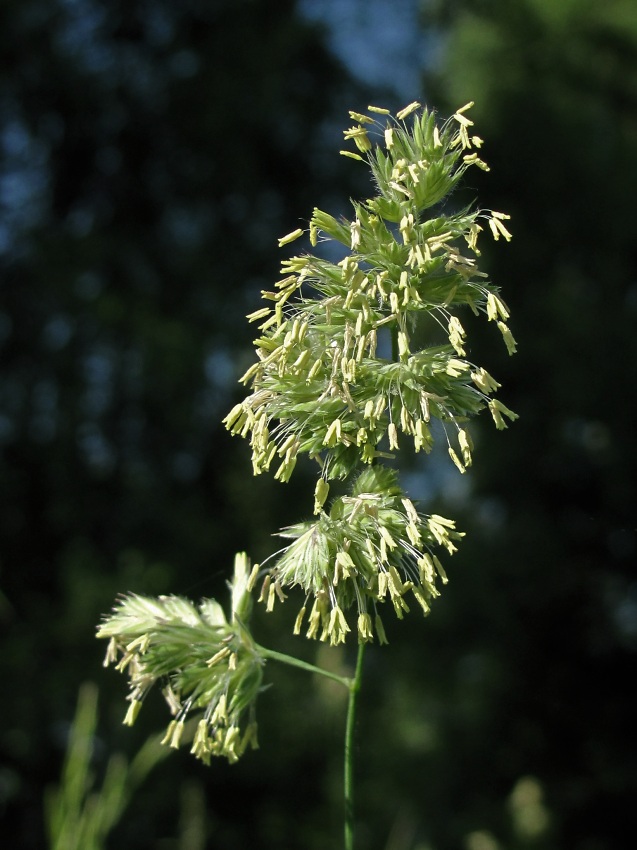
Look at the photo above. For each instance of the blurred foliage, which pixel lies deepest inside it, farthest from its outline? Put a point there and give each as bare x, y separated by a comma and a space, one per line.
528, 695
80, 817
152, 152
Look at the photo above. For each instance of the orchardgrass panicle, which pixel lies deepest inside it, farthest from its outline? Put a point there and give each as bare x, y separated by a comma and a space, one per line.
320, 385
341, 376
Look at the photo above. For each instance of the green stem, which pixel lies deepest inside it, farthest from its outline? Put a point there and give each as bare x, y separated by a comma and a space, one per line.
354, 688
303, 665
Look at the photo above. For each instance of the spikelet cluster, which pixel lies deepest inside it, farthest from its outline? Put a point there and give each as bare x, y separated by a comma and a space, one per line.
342, 373
205, 664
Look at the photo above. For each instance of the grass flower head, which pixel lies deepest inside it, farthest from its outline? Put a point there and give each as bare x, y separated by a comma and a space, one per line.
204, 663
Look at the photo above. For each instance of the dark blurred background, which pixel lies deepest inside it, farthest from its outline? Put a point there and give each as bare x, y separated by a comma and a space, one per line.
151, 155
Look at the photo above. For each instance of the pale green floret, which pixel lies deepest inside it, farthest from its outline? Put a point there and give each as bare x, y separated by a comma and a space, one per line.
362, 119
497, 227
496, 308
454, 457
507, 336
484, 381
360, 137
290, 237
497, 409
403, 113
320, 494
259, 314
466, 446
174, 734
132, 712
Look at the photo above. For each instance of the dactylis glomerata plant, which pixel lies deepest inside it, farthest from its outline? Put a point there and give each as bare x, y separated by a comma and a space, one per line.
339, 377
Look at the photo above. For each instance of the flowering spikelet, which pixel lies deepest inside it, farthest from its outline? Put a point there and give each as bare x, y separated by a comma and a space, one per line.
205, 662
372, 547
